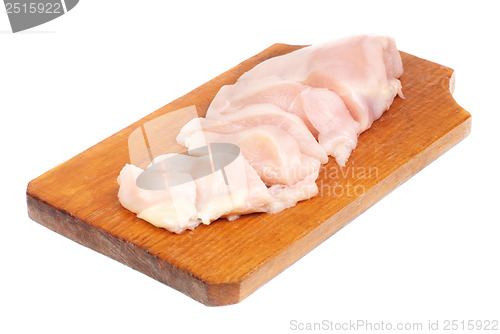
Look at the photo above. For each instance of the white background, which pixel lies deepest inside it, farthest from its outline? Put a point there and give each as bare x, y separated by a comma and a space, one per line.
428, 251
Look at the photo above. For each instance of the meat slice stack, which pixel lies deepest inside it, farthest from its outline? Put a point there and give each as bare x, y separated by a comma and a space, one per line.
285, 116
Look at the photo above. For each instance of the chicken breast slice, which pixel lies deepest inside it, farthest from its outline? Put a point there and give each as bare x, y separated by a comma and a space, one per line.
178, 192
173, 208
271, 151
272, 90
362, 70
322, 110
277, 197
255, 115
223, 191
285, 197
337, 130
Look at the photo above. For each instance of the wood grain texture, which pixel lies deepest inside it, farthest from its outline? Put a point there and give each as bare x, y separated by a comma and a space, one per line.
225, 262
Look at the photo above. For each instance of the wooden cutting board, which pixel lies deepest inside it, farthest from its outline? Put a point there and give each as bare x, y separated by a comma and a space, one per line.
224, 262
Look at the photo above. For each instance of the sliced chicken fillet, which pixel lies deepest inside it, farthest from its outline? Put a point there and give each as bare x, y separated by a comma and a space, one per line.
282, 118
338, 131
271, 151
255, 115
362, 70
272, 90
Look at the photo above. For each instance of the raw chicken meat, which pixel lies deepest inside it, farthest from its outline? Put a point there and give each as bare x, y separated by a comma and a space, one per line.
272, 90
264, 138
337, 130
253, 115
276, 198
362, 70
173, 208
271, 151
178, 192
321, 110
